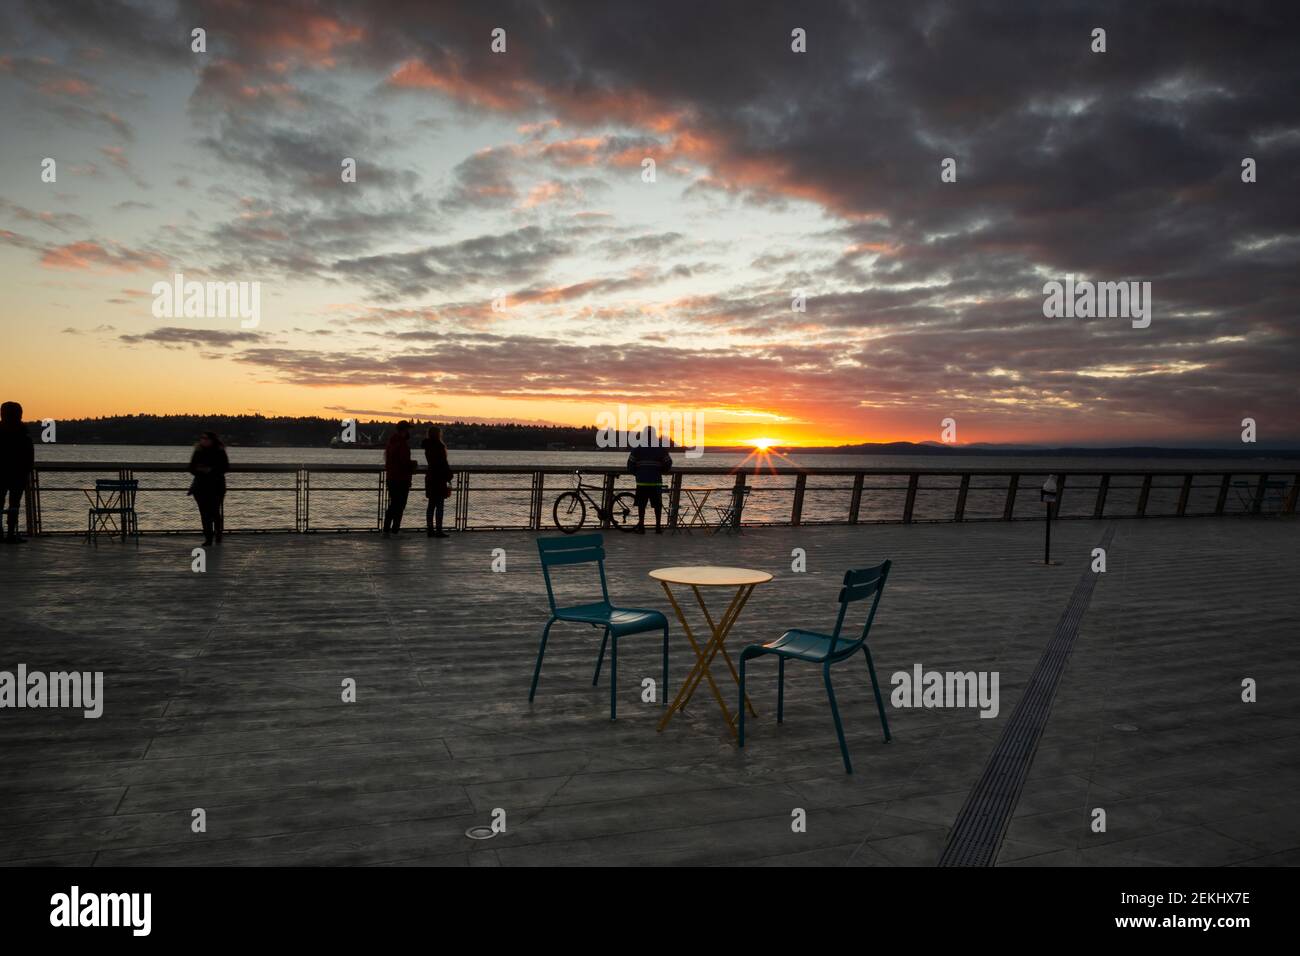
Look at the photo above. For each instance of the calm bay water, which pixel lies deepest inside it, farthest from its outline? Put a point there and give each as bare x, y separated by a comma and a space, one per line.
268, 501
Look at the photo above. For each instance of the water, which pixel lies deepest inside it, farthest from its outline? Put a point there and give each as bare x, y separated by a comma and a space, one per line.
269, 501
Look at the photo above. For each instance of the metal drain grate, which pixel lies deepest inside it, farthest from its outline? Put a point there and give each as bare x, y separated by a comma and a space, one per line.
981, 825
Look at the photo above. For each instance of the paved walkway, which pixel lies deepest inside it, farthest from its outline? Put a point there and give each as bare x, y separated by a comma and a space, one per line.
223, 692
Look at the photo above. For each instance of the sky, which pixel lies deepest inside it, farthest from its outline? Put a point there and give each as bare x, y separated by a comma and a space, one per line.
797, 269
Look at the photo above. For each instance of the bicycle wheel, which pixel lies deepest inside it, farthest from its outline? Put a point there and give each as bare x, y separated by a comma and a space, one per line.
570, 512
624, 510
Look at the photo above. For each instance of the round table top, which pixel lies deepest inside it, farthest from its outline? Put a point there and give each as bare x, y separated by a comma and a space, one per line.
707, 576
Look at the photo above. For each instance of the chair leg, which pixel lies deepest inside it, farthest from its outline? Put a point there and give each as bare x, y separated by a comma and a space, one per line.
835, 712
663, 694
740, 726
541, 651
780, 690
600, 658
613, 678
880, 703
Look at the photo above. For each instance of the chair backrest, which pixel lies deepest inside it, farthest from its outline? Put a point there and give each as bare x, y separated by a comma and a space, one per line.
859, 586
736, 503
572, 549
115, 486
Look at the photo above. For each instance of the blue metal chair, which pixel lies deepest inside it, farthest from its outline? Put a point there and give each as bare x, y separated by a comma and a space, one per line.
825, 649
616, 622
112, 510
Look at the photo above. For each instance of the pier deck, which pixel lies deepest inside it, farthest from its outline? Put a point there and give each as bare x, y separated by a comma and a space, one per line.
222, 691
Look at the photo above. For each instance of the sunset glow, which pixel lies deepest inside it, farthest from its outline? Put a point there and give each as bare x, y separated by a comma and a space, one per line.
501, 255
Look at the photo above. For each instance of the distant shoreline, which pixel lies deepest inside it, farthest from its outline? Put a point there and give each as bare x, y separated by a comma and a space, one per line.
892, 448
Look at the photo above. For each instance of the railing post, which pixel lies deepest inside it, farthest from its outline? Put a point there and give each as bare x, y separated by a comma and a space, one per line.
462, 501
1260, 489
1060, 494
737, 499
33, 504
1009, 509
1103, 486
911, 497
535, 510
1184, 495
607, 498
1289, 507
1223, 494
855, 503
1143, 495
960, 514
674, 498
796, 512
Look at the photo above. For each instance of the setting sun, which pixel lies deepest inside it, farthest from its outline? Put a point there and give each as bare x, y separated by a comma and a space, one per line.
763, 444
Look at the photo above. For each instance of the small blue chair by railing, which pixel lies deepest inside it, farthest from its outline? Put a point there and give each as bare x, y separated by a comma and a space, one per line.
825, 649
112, 510
616, 622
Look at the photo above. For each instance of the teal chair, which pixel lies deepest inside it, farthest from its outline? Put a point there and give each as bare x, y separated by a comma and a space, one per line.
616, 621
825, 649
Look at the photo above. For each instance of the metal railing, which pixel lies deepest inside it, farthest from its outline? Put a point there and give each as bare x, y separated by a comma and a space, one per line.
353, 497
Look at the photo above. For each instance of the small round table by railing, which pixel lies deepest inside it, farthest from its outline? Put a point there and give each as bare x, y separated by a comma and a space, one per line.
744, 580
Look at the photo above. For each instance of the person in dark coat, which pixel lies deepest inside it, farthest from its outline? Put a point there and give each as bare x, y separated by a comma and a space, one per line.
648, 463
17, 459
209, 465
399, 466
437, 481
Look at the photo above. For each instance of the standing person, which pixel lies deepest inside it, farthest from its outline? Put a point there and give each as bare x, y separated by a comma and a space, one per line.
649, 463
209, 465
399, 466
17, 458
437, 481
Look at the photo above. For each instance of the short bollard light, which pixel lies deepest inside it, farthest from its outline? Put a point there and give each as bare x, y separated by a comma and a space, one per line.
1048, 496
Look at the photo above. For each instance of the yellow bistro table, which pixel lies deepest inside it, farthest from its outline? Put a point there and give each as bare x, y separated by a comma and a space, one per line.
743, 580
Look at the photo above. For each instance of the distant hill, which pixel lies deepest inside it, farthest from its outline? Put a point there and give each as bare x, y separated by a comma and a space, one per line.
307, 432
316, 432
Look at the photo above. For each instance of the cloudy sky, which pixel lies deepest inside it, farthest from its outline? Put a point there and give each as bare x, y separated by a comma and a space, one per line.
516, 179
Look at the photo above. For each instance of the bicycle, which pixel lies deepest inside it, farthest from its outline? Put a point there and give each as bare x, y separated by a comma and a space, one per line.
570, 510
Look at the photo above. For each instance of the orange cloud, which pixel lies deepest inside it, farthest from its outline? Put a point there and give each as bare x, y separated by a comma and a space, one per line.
417, 75
92, 256
68, 86
309, 38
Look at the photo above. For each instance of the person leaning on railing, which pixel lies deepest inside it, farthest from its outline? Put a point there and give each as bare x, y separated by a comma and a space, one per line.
399, 466
209, 465
648, 462
17, 458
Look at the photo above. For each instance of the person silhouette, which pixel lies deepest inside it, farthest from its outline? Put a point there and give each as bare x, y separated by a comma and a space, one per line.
399, 466
437, 481
648, 462
209, 465
17, 459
